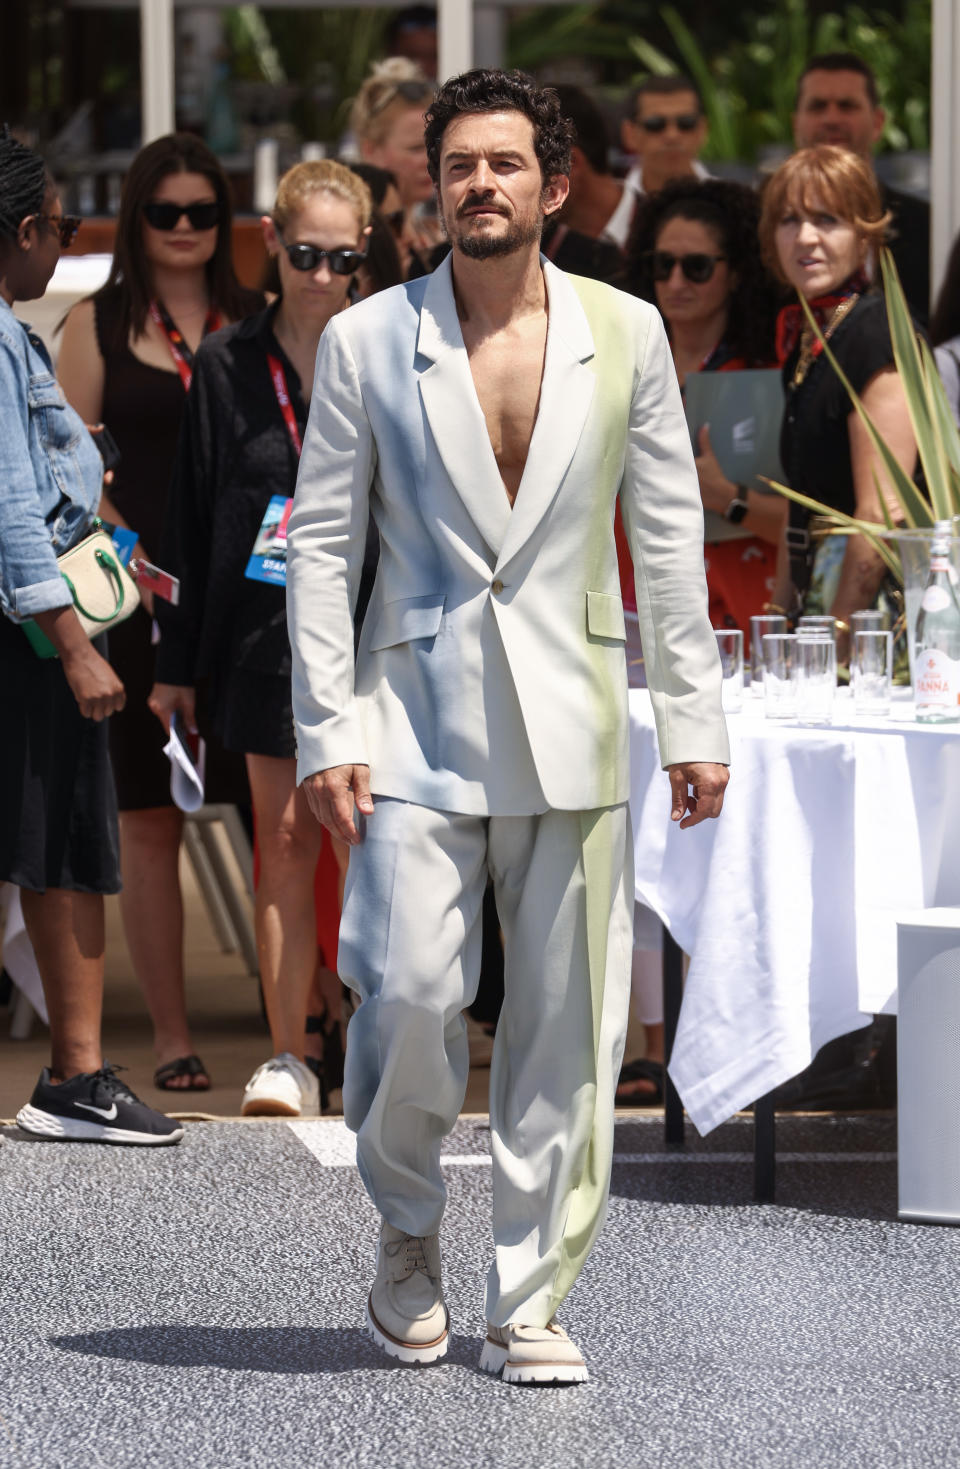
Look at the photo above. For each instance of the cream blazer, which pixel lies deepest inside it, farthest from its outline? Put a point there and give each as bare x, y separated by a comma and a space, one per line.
491, 676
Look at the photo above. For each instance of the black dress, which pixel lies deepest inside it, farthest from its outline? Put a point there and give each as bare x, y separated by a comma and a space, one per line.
143, 408
815, 440
235, 453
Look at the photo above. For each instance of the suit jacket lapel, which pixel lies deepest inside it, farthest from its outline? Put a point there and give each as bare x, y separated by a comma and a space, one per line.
565, 397
454, 414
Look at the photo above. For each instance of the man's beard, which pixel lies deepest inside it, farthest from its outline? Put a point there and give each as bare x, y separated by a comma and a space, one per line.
488, 246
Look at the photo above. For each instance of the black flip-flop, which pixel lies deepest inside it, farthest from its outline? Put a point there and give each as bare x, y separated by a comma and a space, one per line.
190, 1066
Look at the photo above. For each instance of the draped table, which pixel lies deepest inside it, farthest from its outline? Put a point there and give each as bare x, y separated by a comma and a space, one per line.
788, 904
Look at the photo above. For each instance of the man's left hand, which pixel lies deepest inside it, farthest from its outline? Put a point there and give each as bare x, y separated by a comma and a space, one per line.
697, 788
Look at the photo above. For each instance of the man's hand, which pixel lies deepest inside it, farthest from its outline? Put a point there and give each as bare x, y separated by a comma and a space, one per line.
332, 794
697, 791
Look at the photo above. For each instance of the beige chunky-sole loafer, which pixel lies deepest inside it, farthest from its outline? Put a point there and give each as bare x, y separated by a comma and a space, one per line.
406, 1313
532, 1354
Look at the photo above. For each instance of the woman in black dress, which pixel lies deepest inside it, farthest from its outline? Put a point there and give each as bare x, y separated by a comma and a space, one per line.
821, 225
126, 359
240, 450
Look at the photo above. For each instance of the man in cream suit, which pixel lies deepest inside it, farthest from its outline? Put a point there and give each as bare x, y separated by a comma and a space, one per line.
488, 416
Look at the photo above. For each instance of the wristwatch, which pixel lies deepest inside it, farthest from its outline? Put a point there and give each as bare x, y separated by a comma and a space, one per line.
738, 507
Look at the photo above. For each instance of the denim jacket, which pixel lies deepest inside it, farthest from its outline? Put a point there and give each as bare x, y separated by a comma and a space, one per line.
50, 475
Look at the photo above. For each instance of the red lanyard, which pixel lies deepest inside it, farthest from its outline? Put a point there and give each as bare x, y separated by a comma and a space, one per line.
179, 351
279, 380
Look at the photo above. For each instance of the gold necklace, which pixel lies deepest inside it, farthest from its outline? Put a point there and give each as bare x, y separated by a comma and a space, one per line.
808, 340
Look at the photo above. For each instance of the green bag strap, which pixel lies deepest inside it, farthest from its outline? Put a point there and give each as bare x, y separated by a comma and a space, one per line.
110, 566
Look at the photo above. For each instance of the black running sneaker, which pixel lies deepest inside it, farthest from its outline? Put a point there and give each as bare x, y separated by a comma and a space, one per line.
94, 1107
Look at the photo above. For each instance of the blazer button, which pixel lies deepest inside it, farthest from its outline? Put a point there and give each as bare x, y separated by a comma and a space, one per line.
498, 586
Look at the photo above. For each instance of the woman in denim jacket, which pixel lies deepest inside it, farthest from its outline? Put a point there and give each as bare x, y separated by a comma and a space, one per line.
58, 836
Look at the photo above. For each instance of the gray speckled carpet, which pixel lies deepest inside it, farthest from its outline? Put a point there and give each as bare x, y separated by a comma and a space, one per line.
203, 1306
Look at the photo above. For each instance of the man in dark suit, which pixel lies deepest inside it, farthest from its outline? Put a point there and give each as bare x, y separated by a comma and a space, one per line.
838, 102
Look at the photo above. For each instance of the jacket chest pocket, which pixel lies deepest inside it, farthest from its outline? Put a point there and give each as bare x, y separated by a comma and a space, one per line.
58, 427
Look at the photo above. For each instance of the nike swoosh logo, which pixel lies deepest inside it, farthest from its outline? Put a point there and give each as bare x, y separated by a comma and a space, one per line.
107, 1116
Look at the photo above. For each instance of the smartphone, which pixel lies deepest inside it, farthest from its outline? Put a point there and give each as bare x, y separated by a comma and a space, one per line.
107, 445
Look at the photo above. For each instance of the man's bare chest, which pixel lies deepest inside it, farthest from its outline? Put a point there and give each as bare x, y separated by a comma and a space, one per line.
507, 378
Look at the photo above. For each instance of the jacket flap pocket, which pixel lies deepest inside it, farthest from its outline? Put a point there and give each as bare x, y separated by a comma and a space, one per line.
44, 392
408, 618
605, 616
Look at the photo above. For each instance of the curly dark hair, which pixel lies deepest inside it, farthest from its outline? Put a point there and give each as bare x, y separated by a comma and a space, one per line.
732, 212
24, 181
502, 91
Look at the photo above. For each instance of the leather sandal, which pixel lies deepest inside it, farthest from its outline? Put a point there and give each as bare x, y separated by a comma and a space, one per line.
642, 1070
189, 1066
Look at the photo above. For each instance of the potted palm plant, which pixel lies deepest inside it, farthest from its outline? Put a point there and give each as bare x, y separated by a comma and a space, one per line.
904, 540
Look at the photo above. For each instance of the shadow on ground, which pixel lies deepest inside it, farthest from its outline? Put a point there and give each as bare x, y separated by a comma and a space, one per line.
304, 1350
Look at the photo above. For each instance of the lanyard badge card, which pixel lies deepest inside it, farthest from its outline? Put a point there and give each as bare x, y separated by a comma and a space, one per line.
268, 561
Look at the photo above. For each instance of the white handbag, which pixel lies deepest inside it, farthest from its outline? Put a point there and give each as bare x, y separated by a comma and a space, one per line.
103, 591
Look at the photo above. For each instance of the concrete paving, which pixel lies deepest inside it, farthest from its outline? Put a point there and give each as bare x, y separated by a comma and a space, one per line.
203, 1305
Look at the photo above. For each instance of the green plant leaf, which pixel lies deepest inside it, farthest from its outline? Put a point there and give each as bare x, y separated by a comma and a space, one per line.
919, 405
916, 509
844, 524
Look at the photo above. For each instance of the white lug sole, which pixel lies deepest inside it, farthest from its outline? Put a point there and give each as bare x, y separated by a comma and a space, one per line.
408, 1352
496, 1360
68, 1129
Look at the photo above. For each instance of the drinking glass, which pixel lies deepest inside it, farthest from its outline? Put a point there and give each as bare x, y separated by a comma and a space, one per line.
759, 626
814, 622
870, 621
779, 650
871, 671
816, 677
730, 648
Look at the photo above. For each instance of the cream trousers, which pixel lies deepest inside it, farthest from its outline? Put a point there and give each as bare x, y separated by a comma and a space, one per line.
410, 947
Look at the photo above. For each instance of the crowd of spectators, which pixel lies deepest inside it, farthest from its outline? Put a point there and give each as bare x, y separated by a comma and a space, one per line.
205, 387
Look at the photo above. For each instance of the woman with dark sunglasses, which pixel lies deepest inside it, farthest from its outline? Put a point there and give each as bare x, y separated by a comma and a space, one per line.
236, 469
126, 359
695, 253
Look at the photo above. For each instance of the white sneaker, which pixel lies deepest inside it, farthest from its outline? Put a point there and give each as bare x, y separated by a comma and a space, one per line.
282, 1087
520, 1353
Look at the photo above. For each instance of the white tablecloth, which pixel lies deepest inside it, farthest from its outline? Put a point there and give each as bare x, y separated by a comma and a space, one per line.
787, 905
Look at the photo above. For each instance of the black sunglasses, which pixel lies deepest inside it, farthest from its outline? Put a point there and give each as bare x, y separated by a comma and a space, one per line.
697, 268
309, 257
686, 122
66, 226
163, 216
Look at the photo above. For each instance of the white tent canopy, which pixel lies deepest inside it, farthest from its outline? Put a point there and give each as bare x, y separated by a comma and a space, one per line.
469, 28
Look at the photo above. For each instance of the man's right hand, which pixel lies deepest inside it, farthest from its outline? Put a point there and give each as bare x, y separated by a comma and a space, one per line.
332, 794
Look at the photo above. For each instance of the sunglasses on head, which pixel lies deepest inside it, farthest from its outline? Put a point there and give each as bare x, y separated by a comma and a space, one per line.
697, 268
686, 122
164, 216
309, 257
410, 91
66, 226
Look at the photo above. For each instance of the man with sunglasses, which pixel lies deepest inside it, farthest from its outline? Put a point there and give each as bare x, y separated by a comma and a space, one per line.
488, 417
665, 130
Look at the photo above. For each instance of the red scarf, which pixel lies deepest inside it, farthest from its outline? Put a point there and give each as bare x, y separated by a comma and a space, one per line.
791, 320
